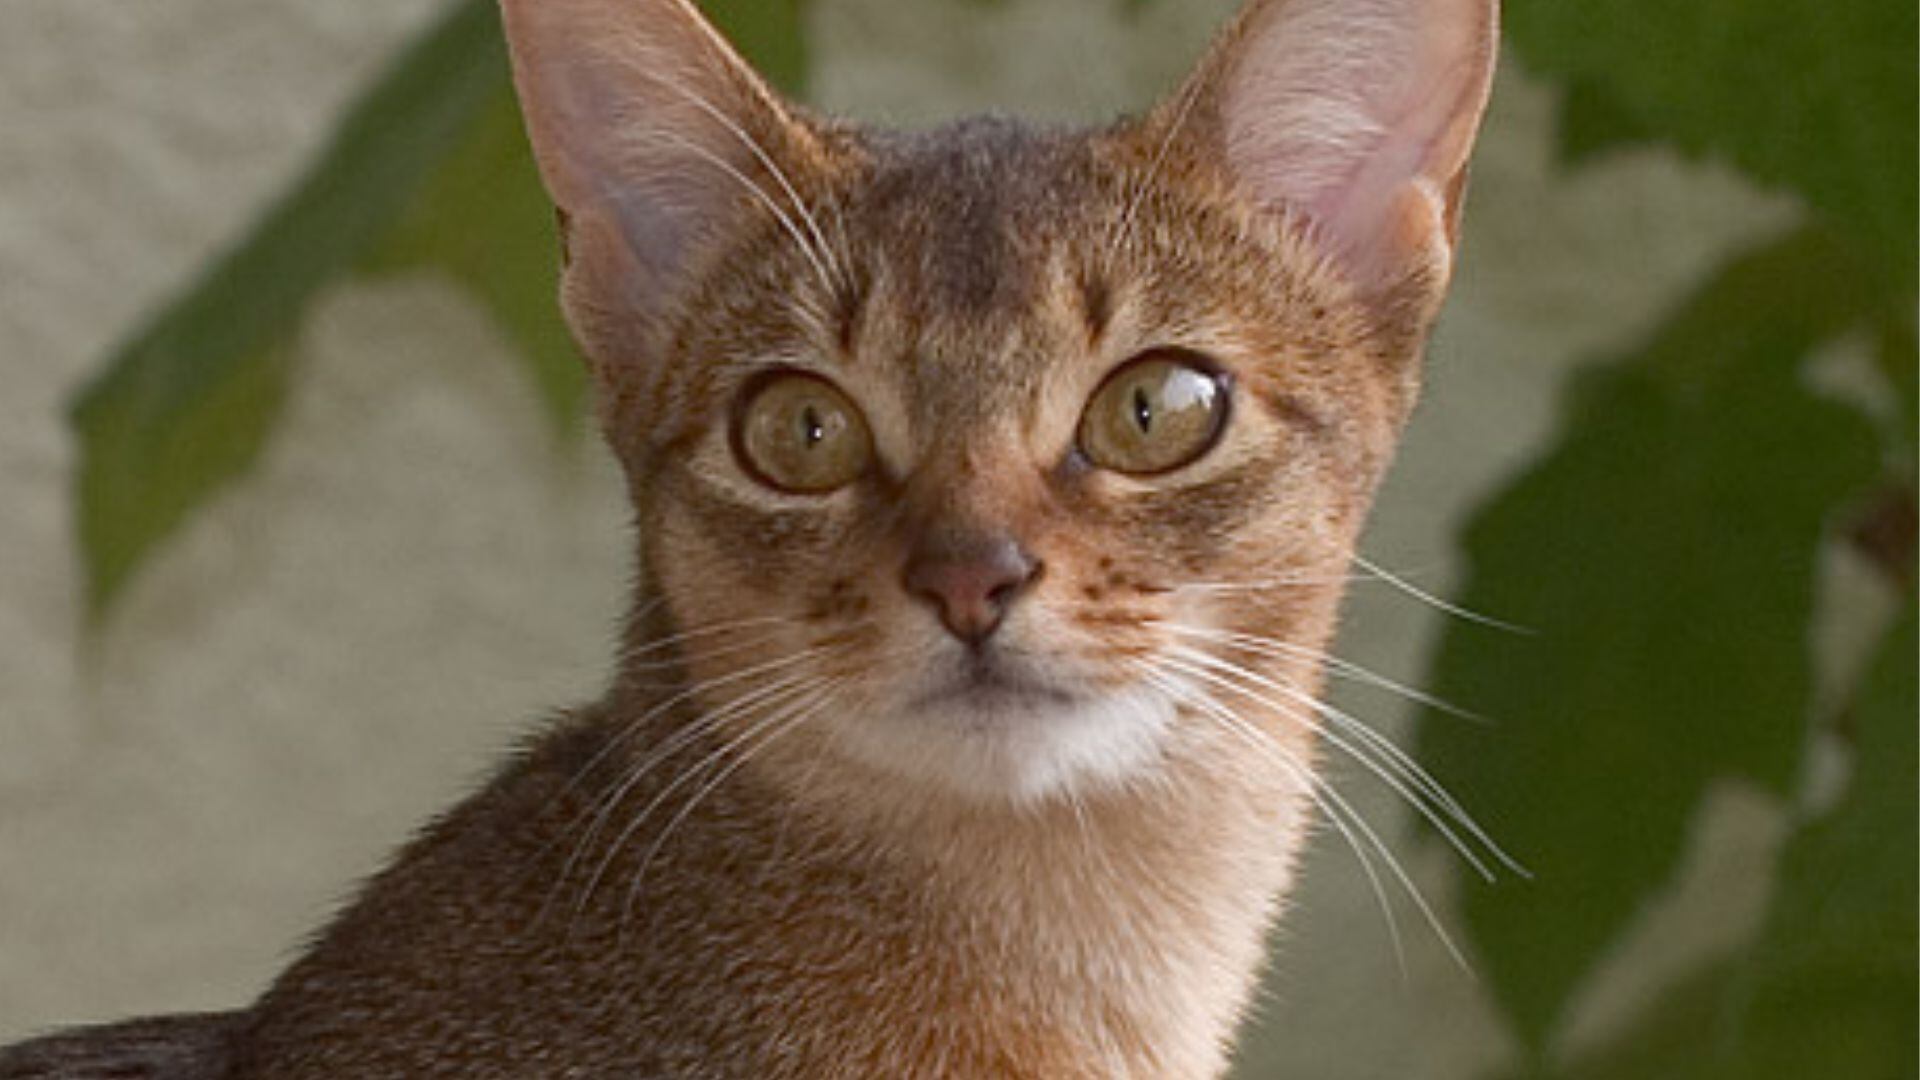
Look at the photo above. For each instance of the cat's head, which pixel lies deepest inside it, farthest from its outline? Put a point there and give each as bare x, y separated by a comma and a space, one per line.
1001, 458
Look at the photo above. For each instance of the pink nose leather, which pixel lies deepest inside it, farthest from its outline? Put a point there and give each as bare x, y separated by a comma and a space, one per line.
970, 580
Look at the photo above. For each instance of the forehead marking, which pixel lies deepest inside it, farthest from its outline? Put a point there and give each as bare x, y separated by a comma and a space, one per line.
957, 204
1096, 305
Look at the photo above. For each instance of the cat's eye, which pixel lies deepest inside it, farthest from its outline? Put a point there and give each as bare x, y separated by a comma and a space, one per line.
1157, 412
796, 432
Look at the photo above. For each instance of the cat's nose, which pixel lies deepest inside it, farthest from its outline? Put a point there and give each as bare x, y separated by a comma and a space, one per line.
970, 580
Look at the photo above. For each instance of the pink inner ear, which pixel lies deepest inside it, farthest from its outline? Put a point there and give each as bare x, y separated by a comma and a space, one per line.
1359, 113
638, 112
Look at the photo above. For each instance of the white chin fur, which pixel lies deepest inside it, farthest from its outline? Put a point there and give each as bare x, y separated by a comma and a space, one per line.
1023, 750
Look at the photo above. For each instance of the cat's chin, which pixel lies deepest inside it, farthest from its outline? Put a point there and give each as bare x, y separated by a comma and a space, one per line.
1008, 741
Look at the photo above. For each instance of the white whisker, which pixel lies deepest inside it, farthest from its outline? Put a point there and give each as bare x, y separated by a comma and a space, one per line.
1225, 673
1404, 763
638, 724
1344, 668
681, 637
1322, 794
1258, 585
694, 729
790, 715
766, 160
758, 192
675, 663
1189, 95
1393, 865
1405, 586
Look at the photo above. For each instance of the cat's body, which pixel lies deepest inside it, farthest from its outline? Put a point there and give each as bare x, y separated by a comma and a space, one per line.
764, 941
996, 487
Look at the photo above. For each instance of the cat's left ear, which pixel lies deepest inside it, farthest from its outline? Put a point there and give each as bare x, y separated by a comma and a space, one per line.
657, 142
1358, 113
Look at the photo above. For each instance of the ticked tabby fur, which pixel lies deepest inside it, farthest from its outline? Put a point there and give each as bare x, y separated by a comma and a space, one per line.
994, 488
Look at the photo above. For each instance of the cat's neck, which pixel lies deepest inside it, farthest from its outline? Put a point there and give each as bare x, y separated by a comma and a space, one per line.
1138, 911
1141, 912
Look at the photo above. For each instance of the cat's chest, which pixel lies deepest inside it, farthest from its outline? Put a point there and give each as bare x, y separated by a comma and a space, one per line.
1099, 941
1052, 972
744, 941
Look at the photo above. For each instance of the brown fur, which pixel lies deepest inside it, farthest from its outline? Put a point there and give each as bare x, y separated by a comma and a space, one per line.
642, 893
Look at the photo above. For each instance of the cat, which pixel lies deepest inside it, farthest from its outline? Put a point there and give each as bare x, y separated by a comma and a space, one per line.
995, 486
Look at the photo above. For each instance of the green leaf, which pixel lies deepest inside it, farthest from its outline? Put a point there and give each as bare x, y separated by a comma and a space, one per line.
1896, 352
1663, 555
428, 169
1675, 1037
1828, 989
1819, 99
770, 33
185, 405
153, 449
1592, 124
1831, 989
483, 219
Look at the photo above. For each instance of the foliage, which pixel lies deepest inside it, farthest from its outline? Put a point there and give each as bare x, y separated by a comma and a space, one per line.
185, 405
1665, 547
1687, 493
1827, 989
428, 170
1818, 101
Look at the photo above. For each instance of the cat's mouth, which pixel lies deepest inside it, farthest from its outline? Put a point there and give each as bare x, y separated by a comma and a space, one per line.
992, 685
1001, 723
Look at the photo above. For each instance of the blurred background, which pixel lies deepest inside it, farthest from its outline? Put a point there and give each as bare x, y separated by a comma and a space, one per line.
303, 523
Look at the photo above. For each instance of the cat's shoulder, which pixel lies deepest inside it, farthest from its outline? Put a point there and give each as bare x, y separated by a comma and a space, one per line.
189, 1046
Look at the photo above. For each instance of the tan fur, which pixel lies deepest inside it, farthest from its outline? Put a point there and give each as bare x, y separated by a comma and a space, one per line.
685, 880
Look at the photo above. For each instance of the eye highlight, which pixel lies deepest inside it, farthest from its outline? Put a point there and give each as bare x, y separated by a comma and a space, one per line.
798, 433
1159, 411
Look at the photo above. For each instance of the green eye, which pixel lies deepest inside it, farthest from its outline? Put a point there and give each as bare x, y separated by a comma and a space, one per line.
1157, 412
796, 432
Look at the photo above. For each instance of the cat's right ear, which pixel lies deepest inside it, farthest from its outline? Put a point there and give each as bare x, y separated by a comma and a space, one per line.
1357, 114
651, 133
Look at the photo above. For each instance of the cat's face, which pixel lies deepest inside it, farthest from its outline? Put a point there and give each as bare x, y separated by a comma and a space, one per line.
972, 454
1022, 443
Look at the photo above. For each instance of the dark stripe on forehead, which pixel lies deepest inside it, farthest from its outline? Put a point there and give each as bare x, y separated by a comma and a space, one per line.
951, 203
850, 307
1096, 305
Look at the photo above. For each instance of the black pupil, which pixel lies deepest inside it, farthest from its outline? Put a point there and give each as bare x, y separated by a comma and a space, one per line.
811, 429
1142, 409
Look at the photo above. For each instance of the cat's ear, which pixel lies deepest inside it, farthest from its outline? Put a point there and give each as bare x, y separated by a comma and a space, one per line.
1358, 113
651, 134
